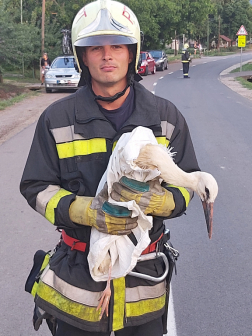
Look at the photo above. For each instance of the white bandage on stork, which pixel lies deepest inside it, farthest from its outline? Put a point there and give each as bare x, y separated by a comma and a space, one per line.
138, 156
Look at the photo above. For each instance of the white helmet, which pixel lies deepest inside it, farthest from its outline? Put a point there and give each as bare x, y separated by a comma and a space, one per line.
186, 46
105, 22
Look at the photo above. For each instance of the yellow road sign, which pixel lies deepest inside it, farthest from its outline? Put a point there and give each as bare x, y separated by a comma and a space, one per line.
242, 41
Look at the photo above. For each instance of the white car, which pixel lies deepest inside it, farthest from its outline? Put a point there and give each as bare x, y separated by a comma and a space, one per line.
62, 74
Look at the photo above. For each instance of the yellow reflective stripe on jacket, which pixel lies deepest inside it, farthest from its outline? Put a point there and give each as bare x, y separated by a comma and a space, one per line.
185, 61
184, 192
119, 303
144, 307
52, 204
81, 147
163, 141
70, 307
114, 144
45, 263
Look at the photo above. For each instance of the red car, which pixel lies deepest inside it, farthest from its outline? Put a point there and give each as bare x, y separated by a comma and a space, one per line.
146, 64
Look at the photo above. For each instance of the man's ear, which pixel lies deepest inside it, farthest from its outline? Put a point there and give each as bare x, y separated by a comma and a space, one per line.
131, 55
84, 57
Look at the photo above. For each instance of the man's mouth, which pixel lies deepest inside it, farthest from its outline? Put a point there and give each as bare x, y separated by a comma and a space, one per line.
108, 68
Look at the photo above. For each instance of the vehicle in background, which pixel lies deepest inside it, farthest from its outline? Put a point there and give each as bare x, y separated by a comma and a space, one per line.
62, 74
160, 59
146, 63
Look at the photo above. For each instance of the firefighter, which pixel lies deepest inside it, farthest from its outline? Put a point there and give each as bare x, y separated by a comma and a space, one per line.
73, 141
186, 59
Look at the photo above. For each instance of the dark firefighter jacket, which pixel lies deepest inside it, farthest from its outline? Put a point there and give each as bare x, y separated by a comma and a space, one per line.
69, 154
185, 58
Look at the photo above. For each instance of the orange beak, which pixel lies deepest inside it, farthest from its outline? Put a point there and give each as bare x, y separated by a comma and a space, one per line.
208, 210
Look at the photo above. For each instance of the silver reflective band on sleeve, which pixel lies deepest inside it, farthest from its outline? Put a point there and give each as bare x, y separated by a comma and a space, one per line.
44, 197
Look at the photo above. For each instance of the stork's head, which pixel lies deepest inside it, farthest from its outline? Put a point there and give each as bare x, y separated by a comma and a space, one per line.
207, 189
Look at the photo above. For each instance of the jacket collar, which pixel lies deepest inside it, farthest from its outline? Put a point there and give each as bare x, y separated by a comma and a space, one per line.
87, 111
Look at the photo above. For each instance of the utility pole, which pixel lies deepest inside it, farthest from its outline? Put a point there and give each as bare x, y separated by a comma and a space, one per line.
21, 5
207, 34
175, 51
219, 35
43, 28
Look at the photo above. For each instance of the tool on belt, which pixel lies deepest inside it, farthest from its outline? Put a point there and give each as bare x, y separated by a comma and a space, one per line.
169, 255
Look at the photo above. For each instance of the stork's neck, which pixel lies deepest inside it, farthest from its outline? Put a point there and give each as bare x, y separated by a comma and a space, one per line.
175, 175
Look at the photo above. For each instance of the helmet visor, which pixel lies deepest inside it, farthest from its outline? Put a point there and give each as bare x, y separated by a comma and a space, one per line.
102, 40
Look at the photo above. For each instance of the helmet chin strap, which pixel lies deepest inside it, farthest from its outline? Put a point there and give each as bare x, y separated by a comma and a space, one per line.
131, 78
113, 98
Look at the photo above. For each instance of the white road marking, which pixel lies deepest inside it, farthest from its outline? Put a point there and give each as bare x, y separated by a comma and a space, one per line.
154, 84
170, 73
171, 323
194, 65
161, 77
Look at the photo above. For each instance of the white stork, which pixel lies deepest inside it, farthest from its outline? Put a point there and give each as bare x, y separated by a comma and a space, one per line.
204, 184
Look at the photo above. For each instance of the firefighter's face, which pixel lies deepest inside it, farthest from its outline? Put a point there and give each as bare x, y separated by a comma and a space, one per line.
108, 65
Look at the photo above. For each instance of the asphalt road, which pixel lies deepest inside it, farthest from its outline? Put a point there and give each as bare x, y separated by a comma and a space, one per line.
212, 290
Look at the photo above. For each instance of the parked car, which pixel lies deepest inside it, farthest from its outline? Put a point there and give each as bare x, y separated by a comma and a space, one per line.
160, 59
62, 74
146, 63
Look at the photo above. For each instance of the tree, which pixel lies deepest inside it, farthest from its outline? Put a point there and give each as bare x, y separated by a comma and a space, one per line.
236, 13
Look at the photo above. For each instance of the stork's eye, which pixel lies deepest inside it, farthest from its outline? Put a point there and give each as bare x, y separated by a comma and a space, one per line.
207, 193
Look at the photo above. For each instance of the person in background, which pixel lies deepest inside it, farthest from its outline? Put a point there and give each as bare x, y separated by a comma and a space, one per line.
45, 62
195, 48
185, 58
200, 49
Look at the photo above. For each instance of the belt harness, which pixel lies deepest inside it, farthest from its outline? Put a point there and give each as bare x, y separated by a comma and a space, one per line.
149, 253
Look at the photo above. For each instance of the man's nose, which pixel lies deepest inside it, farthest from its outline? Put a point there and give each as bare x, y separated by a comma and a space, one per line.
107, 52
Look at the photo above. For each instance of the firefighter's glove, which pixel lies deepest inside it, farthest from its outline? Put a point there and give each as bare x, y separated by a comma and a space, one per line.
104, 216
151, 197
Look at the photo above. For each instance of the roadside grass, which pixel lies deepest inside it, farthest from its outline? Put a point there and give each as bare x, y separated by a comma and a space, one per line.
11, 101
245, 67
13, 89
244, 82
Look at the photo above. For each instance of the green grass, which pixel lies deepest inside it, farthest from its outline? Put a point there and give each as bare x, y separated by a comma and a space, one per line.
245, 67
14, 100
244, 82
19, 79
173, 58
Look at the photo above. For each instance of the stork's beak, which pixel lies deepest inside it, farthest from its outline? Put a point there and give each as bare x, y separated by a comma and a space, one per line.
208, 210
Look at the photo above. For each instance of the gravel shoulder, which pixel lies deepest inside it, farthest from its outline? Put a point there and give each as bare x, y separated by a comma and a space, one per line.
15, 118
228, 79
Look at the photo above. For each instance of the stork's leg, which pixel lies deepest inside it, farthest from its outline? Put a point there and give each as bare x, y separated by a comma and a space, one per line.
104, 300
